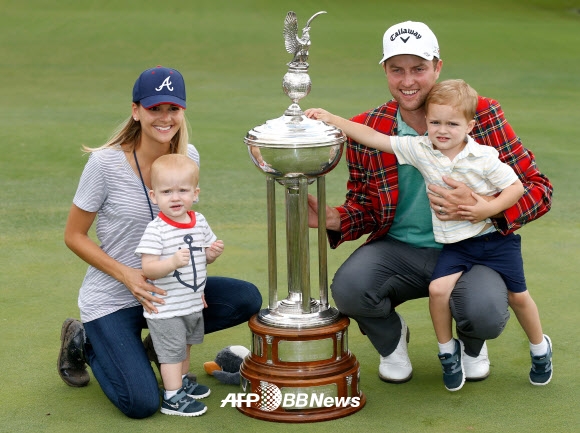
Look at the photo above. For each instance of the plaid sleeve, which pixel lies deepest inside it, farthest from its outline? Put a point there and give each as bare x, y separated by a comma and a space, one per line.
492, 129
372, 184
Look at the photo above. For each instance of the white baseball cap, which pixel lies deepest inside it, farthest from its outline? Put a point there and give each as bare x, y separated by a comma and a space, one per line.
410, 37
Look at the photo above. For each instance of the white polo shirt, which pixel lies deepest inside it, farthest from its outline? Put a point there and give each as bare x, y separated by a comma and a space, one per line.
476, 165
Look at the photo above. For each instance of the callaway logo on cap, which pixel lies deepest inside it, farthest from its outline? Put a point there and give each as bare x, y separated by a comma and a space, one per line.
410, 38
158, 86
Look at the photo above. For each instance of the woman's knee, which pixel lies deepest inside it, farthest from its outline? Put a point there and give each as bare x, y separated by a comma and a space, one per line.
252, 300
140, 405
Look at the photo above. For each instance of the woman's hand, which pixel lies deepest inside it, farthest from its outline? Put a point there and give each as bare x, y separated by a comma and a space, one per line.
141, 289
77, 239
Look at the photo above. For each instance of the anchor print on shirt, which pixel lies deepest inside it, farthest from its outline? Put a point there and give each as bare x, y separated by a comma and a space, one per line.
189, 240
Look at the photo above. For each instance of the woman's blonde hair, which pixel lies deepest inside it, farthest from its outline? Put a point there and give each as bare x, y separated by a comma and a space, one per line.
129, 133
455, 93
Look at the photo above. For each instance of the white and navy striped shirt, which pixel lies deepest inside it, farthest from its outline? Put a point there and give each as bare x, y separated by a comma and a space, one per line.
110, 187
476, 165
163, 237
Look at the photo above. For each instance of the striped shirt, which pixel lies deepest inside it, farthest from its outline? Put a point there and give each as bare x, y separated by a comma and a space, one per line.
110, 187
476, 166
163, 237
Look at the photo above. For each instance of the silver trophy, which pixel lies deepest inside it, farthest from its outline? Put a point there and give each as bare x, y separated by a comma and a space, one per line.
295, 151
299, 344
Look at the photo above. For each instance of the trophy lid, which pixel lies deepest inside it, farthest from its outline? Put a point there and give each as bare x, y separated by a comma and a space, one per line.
294, 131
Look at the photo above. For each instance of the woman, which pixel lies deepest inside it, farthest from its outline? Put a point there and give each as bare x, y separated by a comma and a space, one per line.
113, 188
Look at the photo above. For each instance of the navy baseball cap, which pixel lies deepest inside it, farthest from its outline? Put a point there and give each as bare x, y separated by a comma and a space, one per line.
158, 86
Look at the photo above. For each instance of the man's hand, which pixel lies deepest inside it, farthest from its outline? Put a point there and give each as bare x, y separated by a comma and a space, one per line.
332, 215
478, 212
445, 202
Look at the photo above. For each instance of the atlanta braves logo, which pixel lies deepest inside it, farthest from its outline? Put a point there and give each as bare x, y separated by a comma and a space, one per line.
166, 83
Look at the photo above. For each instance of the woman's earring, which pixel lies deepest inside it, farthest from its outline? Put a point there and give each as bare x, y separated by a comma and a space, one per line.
135, 119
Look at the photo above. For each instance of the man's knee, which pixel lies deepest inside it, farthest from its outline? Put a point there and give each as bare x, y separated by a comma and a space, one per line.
346, 300
479, 303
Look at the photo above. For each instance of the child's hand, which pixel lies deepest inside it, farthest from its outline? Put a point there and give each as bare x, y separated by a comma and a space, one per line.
180, 258
477, 212
203, 300
318, 114
214, 251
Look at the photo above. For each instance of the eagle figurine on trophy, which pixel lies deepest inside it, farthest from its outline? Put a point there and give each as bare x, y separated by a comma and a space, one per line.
295, 45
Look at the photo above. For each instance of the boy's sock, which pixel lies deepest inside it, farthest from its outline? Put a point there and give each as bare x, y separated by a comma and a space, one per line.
448, 347
169, 394
539, 349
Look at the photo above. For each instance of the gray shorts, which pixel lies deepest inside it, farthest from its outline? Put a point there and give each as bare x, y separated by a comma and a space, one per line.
171, 336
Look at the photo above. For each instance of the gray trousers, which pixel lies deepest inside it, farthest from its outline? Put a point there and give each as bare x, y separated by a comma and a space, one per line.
385, 273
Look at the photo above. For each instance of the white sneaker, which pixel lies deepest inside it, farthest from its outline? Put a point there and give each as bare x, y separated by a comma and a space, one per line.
476, 368
396, 367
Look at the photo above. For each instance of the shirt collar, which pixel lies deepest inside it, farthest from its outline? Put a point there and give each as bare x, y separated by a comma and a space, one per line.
403, 129
472, 147
188, 225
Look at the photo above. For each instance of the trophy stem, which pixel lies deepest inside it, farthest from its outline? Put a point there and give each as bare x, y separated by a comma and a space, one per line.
297, 246
322, 252
304, 244
272, 262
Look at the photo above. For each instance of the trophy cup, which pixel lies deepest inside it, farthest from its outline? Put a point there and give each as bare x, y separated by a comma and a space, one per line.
299, 366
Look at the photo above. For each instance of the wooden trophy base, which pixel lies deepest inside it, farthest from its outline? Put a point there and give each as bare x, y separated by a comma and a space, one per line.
301, 375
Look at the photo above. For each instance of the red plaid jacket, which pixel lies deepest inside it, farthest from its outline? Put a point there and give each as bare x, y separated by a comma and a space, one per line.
373, 187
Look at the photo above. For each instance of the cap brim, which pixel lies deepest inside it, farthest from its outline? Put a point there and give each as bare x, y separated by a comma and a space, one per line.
152, 101
388, 56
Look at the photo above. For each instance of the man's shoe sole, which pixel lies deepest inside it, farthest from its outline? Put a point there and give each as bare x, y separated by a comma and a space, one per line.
477, 379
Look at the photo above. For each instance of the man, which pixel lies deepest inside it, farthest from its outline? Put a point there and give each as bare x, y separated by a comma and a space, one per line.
389, 202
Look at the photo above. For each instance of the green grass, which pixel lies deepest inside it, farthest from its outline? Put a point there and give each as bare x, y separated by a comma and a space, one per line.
67, 71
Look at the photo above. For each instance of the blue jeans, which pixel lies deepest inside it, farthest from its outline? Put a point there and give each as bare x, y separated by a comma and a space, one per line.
117, 357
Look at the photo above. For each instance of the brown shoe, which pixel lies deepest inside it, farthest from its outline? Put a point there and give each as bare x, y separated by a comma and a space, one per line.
71, 364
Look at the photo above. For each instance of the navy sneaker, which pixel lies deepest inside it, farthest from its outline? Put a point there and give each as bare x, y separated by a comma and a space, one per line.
541, 371
194, 389
183, 405
452, 364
